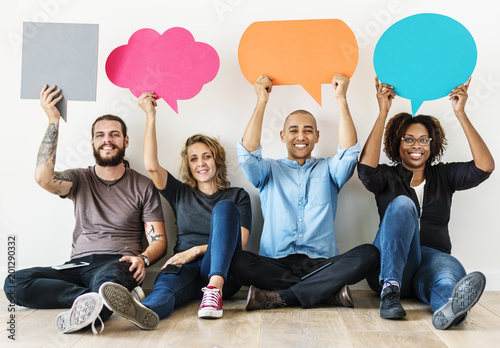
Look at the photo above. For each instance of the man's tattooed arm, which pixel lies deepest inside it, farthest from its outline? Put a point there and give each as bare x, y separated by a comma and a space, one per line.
151, 233
54, 182
155, 234
48, 147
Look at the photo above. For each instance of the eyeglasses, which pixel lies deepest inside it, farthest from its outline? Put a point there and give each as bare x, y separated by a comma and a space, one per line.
421, 141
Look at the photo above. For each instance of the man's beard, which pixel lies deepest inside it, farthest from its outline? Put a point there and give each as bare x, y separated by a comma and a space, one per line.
110, 161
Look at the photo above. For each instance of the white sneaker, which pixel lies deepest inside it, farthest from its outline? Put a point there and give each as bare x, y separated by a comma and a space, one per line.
117, 298
84, 311
138, 294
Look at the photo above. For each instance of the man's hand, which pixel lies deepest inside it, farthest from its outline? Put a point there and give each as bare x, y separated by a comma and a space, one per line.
340, 83
48, 102
147, 102
138, 267
263, 87
385, 95
459, 97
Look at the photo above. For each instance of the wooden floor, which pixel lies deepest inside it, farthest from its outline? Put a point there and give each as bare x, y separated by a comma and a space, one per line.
287, 327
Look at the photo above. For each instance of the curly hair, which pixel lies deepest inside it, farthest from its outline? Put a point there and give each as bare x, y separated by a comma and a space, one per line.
219, 154
396, 129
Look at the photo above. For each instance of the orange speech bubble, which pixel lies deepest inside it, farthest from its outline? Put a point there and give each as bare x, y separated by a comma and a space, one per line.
304, 52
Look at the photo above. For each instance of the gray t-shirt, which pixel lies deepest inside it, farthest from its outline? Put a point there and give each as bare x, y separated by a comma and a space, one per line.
111, 222
193, 210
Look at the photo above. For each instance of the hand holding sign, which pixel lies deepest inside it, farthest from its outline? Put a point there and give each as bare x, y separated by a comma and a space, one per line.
172, 65
304, 52
424, 57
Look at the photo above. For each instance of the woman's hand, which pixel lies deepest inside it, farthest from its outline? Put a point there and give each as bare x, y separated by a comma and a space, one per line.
385, 95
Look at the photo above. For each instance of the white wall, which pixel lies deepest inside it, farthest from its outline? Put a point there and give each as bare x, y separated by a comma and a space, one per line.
43, 223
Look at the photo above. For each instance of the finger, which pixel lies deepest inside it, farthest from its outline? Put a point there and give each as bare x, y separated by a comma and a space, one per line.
468, 82
377, 82
54, 93
55, 101
44, 88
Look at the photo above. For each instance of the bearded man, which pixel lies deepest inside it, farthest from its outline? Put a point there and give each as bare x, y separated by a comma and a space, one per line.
114, 207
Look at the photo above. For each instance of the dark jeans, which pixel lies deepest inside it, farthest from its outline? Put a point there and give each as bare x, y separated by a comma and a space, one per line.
47, 288
285, 273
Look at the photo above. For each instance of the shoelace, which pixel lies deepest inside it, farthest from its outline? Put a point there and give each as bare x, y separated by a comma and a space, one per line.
94, 330
211, 298
273, 300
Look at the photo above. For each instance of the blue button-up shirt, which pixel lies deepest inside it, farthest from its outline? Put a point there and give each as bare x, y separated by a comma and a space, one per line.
298, 202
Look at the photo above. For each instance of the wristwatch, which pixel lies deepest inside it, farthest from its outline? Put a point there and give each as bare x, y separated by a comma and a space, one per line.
145, 259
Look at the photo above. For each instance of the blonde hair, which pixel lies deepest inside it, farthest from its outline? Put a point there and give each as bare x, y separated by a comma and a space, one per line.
219, 154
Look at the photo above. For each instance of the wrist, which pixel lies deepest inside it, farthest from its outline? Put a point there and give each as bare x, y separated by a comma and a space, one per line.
145, 259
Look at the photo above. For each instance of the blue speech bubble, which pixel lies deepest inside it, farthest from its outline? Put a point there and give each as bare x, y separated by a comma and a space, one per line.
424, 57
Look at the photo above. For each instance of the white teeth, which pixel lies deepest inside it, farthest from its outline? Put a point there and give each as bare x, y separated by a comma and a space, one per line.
300, 145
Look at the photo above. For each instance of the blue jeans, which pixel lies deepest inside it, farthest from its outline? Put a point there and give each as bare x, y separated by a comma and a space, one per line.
47, 288
172, 290
424, 272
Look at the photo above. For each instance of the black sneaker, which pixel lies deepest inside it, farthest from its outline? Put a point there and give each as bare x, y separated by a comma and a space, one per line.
464, 296
390, 307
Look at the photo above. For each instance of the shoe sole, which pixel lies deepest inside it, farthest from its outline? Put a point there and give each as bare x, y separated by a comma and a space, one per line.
210, 313
118, 299
464, 296
83, 312
394, 314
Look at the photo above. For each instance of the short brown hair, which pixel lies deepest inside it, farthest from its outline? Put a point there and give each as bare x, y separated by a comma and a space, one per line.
397, 126
109, 117
221, 181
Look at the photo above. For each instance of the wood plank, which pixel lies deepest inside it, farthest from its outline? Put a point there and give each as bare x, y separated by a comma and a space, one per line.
296, 327
39, 329
285, 327
491, 301
365, 316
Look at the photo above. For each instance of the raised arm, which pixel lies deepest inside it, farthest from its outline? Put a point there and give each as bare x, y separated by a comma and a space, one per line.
253, 132
370, 155
158, 174
54, 182
480, 152
347, 131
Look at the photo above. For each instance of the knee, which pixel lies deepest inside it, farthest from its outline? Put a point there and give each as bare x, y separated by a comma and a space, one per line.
402, 203
226, 206
371, 255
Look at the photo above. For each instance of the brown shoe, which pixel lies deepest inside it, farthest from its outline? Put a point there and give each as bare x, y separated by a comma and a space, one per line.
263, 299
341, 298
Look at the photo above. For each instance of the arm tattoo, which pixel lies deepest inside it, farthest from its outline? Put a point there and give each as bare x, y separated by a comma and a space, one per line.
48, 147
59, 177
151, 233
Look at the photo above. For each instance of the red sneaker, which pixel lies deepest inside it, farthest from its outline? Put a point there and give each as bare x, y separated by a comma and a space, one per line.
211, 303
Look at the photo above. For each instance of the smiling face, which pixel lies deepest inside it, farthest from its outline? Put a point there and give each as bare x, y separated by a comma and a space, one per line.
108, 143
201, 163
300, 136
415, 156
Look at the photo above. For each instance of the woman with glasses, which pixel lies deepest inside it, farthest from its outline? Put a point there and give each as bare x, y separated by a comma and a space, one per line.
414, 201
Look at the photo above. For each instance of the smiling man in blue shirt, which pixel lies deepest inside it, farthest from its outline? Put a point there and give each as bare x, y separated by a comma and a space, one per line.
298, 261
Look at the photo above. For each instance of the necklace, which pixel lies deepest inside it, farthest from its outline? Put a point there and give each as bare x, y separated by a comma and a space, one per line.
108, 186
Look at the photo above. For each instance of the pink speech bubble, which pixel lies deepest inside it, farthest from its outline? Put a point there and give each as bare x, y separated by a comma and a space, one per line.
172, 65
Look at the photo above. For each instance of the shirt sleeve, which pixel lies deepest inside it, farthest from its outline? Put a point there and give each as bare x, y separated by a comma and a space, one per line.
372, 178
342, 165
75, 179
172, 190
255, 168
152, 210
464, 175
